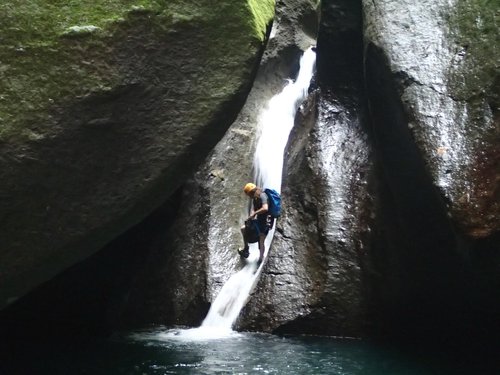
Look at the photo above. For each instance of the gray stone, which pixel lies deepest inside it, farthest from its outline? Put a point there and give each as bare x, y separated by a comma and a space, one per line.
111, 123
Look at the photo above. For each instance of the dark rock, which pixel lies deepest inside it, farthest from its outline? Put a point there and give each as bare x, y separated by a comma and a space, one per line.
437, 219
111, 123
449, 95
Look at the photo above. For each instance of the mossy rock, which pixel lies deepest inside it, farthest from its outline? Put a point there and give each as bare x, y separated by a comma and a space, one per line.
105, 108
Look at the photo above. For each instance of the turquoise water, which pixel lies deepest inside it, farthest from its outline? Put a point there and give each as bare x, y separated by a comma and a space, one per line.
160, 352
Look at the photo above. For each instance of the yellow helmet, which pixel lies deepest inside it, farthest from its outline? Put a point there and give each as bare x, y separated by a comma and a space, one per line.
249, 187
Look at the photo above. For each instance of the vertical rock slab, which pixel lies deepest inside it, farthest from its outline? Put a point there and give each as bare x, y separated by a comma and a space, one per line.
313, 281
432, 79
444, 63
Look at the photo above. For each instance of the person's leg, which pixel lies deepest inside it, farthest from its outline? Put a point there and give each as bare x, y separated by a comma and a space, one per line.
262, 247
263, 230
243, 234
245, 251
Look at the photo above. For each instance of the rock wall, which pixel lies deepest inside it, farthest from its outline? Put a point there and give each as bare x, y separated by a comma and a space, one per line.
313, 282
376, 238
434, 109
215, 205
390, 187
105, 111
449, 95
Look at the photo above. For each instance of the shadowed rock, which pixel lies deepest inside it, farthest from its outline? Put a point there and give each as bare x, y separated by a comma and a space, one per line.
100, 123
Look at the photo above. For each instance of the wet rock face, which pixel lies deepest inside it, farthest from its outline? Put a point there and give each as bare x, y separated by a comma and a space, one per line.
427, 262
445, 72
313, 281
113, 118
435, 127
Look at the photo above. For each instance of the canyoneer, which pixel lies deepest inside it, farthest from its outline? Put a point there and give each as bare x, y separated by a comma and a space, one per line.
258, 223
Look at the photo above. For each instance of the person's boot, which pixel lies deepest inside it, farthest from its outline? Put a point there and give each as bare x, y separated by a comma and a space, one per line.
244, 252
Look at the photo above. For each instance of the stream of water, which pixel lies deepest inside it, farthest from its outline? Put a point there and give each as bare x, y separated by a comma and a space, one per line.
275, 124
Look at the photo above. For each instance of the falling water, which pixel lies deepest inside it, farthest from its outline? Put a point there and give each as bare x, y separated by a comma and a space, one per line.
275, 123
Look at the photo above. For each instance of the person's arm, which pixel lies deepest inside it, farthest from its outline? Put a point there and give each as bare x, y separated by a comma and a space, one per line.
261, 210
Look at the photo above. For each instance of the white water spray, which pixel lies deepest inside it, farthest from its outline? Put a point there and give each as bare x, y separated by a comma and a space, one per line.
275, 123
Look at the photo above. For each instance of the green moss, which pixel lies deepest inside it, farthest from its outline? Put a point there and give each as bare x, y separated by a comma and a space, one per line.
38, 68
263, 12
56, 52
29, 22
474, 27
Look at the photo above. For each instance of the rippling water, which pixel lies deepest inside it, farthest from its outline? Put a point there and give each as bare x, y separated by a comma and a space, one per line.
194, 352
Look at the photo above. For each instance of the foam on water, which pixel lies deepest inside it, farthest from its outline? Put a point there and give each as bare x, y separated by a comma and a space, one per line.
188, 335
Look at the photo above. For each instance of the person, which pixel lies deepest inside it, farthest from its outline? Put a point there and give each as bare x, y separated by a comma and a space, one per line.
259, 213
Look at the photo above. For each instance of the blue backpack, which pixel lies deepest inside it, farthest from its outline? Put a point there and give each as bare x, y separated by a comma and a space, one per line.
274, 202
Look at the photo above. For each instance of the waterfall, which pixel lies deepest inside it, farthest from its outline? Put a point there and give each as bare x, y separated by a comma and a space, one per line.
275, 123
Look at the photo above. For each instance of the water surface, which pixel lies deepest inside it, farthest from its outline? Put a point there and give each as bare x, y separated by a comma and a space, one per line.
176, 351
